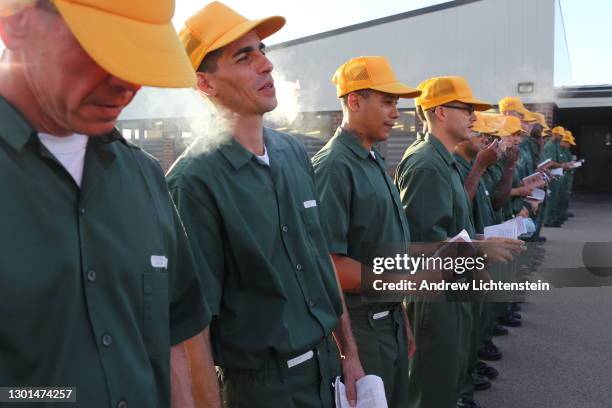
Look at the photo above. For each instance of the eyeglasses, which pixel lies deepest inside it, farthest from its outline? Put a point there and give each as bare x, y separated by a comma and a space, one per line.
470, 108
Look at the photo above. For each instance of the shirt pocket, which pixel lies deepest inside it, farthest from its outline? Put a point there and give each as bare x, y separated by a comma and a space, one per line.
312, 224
156, 313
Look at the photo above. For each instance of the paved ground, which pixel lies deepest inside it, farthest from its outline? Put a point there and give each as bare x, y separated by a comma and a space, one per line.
562, 355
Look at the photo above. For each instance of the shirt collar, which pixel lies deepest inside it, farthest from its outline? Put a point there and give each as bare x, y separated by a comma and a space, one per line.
442, 151
238, 155
347, 138
14, 128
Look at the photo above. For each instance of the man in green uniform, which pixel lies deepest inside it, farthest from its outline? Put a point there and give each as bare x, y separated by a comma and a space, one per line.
354, 190
474, 157
552, 150
251, 211
566, 191
98, 281
437, 208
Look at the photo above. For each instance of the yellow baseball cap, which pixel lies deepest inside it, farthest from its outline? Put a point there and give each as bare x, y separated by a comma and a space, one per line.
370, 73
569, 138
513, 125
496, 122
559, 130
133, 40
417, 100
512, 103
217, 25
529, 116
541, 119
440, 90
481, 126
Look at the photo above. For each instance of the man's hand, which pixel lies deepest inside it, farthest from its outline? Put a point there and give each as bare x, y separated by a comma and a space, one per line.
524, 191
487, 156
523, 213
411, 341
351, 372
512, 155
499, 249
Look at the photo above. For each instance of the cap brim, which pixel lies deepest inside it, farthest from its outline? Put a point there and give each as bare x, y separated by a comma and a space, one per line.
399, 89
478, 105
265, 27
134, 51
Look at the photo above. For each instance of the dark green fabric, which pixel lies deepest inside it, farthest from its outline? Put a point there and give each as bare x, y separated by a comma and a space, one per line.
482, 210
306, 385
359, 203
363, 219
491, 178
271, 285
82, 303
432, 193
383, 350
437, 208
552, 215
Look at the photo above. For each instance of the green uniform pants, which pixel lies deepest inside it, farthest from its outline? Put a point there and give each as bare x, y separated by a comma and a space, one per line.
305, 385
479, 326
553, 211
383, 348
442, 331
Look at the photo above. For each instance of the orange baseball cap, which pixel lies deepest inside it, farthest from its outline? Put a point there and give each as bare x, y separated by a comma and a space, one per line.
511, 103
370, 73
541, 119
133, 40
513, 125
417, 100
496, 122
217, 25
529, 116
559, 130
440, 90
481, 126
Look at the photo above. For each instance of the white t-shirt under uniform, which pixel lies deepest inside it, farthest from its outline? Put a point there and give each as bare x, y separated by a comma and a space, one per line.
69, 151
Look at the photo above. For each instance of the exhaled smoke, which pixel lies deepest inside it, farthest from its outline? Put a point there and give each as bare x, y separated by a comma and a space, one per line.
287, 95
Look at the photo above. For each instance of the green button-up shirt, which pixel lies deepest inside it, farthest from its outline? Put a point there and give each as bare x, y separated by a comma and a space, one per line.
271, 286
360, 204
552, 150
482, 209
432, 193
97, 282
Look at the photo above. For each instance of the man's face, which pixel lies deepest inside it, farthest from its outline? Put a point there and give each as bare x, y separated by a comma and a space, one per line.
459, 120
565, 144
75, 94
242, 82
377, 115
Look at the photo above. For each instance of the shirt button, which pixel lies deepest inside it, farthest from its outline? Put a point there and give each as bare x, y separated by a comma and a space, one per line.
107, 340
122, 404
82, 210
285, 228
91, 275
298, 267
311, 303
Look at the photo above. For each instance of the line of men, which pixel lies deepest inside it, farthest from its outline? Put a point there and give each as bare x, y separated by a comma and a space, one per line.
255, 265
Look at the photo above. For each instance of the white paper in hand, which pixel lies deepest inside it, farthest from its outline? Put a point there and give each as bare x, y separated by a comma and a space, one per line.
557, 172
370, 393
505, 230
537, 194
463, 236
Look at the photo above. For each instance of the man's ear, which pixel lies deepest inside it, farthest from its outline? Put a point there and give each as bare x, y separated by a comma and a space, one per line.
353, 102
14, 29
206, 83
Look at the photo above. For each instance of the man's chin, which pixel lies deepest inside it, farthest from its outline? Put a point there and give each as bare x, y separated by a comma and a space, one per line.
96, 129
